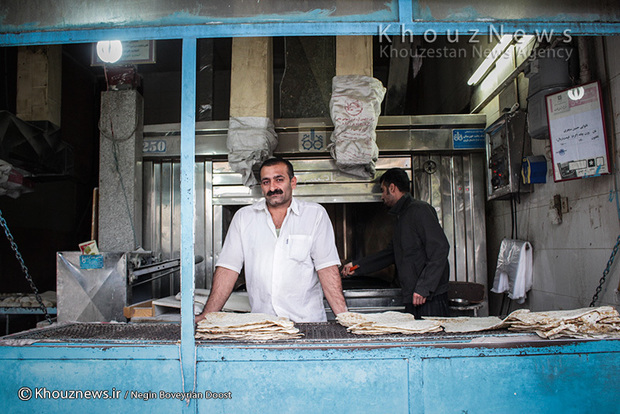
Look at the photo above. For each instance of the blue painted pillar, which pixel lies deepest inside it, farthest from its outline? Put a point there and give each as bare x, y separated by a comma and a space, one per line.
188, 155
405, 12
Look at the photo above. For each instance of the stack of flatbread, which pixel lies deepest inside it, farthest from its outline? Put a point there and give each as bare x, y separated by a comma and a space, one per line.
24, 300
601, 322
255, 326
385, 323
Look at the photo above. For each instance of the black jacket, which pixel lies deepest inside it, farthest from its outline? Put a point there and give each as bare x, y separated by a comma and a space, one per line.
419, 248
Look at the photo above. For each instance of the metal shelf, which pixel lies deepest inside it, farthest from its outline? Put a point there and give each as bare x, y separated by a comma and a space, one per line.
23, 311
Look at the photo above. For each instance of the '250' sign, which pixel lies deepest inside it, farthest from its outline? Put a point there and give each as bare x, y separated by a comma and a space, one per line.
153, 146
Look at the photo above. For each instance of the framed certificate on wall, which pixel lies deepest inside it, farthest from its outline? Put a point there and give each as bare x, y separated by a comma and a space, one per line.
577, 132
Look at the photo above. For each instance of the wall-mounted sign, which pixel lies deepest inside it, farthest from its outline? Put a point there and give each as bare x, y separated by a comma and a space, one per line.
470, 138
91, 261
311, 138
577, 131
135, 52
150, 146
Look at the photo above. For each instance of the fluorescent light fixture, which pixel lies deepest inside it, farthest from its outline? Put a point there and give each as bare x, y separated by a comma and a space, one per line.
495, 54
110, 51
525, 39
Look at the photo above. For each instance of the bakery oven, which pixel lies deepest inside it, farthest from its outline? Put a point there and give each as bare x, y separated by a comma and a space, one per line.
446, 175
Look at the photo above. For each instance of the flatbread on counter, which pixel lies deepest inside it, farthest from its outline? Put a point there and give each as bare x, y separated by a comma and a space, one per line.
260, 336
464, 324
229, 320
251, 326
353, 318
348, 319
385, 323
601, 322
409, 327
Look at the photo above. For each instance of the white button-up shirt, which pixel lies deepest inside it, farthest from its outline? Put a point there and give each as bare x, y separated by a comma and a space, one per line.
280, 271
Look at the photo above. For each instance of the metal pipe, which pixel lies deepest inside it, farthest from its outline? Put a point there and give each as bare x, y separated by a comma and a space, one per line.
584, 60
94, 216
156, 277
155, 268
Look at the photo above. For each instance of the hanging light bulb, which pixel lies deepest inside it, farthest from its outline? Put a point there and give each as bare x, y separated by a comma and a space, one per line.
109, 51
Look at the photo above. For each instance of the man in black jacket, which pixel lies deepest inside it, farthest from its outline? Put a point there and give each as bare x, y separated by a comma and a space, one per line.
419, 248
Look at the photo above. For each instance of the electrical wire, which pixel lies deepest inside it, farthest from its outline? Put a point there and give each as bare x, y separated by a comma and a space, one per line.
110, 135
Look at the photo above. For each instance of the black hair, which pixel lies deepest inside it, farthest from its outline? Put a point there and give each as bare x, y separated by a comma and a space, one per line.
396, 176
277, 160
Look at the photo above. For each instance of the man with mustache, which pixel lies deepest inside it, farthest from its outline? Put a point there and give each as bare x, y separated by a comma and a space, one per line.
288, 251
419, 248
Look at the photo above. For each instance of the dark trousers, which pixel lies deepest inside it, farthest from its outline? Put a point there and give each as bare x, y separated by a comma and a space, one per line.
438, 306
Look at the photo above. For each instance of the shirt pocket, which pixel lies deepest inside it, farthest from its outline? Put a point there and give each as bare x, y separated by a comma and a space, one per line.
299, 246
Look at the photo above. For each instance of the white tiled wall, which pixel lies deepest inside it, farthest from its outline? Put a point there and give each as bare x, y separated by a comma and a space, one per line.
569, 258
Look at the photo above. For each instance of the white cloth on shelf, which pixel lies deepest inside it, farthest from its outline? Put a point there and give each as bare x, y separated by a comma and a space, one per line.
514, 269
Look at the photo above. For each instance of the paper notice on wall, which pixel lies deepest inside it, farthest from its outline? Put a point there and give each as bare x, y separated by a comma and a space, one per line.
577, 131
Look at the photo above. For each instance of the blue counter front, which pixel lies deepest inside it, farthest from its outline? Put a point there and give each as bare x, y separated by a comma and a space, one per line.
478, 374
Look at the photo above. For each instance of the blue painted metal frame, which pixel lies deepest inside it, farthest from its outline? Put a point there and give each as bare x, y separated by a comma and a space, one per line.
188, 156
404, 377
307, 29
402, 17
376, 377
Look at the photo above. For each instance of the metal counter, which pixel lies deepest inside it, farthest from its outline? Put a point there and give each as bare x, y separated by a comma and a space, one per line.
329, 370
326, 333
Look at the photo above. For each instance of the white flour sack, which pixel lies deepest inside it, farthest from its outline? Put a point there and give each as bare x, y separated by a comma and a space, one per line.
250, 141
355, 106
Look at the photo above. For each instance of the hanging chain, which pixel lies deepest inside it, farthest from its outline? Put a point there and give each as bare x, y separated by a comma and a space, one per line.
605, 273
24, 268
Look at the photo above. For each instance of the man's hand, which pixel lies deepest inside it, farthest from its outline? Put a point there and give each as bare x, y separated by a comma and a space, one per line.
223, 282
418, 299
348, 269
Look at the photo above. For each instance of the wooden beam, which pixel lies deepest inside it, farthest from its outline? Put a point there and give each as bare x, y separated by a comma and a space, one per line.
251, 77
39, 77
354, 55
